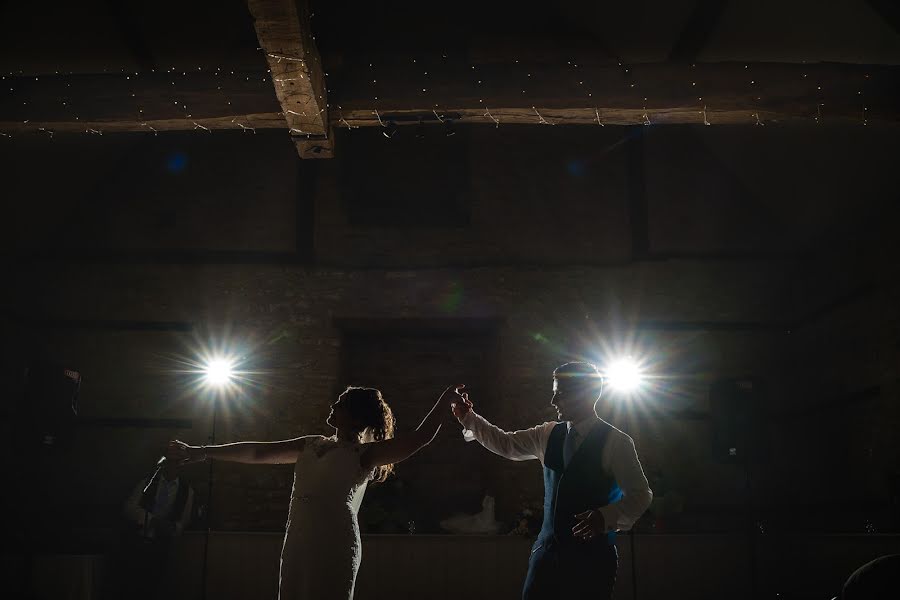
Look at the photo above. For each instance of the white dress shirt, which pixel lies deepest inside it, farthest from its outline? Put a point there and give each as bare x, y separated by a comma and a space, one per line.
619, 458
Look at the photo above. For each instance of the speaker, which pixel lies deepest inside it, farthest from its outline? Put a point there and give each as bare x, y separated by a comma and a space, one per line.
50, 403
736, 408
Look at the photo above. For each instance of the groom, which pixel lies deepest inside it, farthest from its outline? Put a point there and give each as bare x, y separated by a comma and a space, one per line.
593, 486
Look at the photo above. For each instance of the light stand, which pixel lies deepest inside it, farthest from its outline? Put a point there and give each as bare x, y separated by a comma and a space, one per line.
625, 376
632, 425
633, 563
209, 496
218, 375
752, 527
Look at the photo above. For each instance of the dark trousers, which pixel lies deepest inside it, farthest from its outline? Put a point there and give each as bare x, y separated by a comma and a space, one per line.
571, 569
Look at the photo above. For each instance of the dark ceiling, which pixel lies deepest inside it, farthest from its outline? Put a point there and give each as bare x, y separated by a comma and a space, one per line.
98, 35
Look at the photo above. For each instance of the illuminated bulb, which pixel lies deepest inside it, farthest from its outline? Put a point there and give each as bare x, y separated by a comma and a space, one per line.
624, 375
218, 372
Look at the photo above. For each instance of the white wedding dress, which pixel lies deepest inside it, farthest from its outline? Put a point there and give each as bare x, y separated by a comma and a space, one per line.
322, 549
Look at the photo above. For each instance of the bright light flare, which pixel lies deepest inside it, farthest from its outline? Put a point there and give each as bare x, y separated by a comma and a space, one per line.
624, 375
219, 372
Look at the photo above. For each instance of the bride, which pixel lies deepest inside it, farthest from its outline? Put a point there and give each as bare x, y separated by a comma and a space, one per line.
322, 551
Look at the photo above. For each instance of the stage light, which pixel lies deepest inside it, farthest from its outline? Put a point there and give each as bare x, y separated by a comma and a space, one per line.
218, 372
624, 375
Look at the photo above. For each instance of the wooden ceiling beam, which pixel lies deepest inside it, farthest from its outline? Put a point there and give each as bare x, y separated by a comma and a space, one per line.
162, 94
570, 92
248, 123
674, 92
285, 35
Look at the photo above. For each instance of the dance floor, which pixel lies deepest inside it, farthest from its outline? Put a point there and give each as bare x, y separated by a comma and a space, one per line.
244, 566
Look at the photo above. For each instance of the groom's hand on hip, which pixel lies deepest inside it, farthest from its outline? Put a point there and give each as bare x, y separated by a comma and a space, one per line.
590, 524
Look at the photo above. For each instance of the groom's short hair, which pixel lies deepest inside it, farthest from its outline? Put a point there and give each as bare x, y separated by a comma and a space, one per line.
582, 375
578, 369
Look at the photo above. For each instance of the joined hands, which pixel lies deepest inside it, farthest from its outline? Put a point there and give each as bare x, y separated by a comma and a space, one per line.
460, 403
181, 454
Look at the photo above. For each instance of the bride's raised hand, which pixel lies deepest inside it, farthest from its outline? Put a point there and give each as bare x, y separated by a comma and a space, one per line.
181, 454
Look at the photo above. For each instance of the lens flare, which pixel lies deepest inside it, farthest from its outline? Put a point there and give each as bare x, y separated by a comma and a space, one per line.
624, 375
219, 372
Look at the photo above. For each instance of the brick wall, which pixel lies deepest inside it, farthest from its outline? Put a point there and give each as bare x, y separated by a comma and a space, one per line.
544, 254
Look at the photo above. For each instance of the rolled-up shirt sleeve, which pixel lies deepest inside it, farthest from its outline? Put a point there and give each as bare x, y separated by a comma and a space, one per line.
523, 444
620, 458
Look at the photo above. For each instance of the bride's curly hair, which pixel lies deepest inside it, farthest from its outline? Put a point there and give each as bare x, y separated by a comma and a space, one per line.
368, 408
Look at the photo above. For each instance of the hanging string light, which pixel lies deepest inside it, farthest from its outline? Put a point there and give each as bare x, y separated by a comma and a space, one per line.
541, 119
581, 81
487, 113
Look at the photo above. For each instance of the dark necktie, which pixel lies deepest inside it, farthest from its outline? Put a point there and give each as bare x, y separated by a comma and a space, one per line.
570, 445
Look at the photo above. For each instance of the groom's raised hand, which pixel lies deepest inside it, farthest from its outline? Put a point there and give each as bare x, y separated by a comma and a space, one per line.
460, 403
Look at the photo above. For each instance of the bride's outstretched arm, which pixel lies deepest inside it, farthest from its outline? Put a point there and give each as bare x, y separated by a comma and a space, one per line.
260, 453
406, 444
